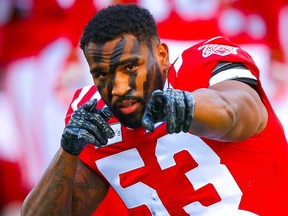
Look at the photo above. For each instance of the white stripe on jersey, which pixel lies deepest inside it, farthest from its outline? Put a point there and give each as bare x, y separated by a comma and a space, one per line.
83, 92
96, 96
231, 73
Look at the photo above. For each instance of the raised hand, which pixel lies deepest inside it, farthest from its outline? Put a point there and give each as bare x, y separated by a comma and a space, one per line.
87, 125
173, 106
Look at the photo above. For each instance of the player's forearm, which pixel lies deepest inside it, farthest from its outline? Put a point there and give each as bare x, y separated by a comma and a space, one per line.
53, 194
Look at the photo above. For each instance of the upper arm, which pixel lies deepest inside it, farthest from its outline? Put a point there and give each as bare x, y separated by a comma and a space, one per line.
248, 111
230, 109
89, 190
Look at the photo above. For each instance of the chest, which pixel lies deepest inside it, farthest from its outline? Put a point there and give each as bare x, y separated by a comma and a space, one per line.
175, 174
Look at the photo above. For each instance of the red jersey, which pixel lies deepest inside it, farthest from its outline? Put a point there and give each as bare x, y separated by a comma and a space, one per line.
182, 174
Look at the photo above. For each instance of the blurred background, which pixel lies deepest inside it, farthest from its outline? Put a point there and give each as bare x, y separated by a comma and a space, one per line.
41, 65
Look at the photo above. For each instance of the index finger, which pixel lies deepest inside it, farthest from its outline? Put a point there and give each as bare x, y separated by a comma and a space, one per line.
153, 110
148, 119
90, 105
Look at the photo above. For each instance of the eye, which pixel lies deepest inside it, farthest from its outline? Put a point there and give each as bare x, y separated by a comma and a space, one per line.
130, 67
100, 75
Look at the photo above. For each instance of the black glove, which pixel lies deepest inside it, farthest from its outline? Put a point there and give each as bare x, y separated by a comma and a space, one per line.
173, 106
87, 125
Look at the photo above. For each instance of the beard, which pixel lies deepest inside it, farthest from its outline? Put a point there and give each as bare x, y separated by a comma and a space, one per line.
132, 120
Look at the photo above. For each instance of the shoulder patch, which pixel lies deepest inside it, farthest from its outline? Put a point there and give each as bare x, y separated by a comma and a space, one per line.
217, 49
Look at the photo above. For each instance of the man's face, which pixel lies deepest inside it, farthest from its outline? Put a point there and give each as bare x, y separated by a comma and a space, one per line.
126, 72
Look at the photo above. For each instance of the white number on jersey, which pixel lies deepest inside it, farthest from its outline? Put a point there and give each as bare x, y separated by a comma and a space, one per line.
208, 171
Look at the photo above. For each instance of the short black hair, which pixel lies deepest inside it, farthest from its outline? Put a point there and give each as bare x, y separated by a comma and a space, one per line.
116, 20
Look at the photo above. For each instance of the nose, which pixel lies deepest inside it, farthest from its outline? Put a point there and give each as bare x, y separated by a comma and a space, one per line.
121, 84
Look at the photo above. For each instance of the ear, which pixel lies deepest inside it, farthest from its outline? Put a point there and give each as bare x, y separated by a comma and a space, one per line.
163, 55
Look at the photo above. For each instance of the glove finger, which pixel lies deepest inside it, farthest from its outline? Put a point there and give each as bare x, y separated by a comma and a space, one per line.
153, 110
93, 123
83, 121
87, 133
73, 140
170, 112
89, 122
158, 102
101, 125
90, 105
106, 113
83, 113
86, 137
93, 117
180, 110
96, 138
148, 119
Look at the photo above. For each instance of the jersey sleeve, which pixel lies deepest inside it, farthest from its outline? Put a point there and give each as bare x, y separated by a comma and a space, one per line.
193, 69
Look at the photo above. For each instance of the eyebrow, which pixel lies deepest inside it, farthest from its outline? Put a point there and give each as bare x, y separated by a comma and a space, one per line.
120, 63
129, 60
97, 69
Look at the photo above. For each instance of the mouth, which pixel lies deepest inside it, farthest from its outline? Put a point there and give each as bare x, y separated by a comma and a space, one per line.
128, 106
